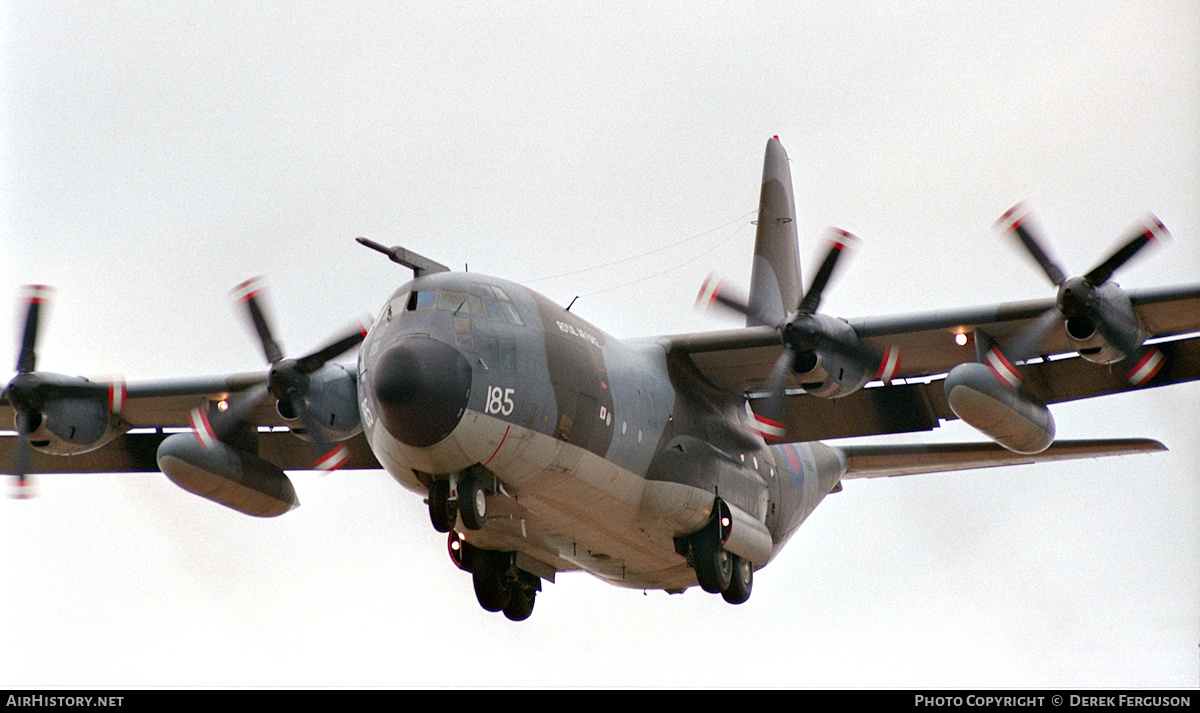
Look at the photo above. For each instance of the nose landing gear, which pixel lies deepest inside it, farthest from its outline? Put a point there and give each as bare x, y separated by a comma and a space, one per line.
464, 495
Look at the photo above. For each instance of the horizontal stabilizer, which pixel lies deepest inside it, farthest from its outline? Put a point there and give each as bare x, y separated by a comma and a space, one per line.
886, 461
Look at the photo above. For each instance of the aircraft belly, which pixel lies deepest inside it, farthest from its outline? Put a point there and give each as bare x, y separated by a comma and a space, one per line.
561, 504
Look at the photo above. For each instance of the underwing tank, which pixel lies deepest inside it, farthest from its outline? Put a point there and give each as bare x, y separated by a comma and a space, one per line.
1015, 420
236, 479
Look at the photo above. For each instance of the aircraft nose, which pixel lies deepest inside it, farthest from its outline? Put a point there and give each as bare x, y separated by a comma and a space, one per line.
421, 386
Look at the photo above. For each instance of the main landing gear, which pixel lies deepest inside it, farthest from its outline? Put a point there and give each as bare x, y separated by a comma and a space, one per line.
499, 584
718, 570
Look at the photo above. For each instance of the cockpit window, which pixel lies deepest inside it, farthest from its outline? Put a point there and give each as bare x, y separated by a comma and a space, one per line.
485, 302
422, 299
453, 301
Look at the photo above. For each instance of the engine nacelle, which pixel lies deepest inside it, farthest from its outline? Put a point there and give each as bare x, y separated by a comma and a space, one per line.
74, 424
828, 377
1113, 304
1014, 420
224, 475
815, 379
1086, 340
332, 400
825, 373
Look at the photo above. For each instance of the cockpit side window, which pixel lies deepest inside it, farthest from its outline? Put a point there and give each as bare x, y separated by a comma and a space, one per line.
422, 299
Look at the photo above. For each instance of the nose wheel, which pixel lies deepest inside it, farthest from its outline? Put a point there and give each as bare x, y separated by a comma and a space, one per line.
470, 502
442, 510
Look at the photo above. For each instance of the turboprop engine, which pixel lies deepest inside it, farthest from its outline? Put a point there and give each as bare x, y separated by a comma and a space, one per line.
828, 374
56, 414
330, 404
1009, 417
1100, 320
823, 354
65, 415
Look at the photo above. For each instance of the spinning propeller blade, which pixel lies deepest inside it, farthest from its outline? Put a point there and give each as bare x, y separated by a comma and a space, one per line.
22, 392
287, 380
1087, 302
804, 335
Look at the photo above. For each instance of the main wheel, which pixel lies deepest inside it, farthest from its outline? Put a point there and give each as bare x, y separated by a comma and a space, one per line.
520, 606
713, 564
493, 588
472, 502
442, 512
741, 582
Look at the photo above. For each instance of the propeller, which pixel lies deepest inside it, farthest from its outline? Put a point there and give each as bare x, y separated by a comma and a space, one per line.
287, 381
24, 392
1088, 302
805, 335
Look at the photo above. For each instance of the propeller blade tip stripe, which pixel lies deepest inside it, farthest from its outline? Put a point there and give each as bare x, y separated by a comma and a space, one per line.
769, 428
249, 289
205, 435
117, 392
21, 488
843, 239
889, 365
709, 291
1012, 218
36, 294
1146, 368
334, 459
1003, 370
1155, 230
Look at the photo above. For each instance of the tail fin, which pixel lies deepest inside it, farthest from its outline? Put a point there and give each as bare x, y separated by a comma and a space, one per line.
775, 288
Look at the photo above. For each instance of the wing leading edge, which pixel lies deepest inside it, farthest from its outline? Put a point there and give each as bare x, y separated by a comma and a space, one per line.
888, 461
155, 409
740, 361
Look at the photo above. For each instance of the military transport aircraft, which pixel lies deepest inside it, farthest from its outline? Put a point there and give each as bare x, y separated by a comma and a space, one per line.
543, 445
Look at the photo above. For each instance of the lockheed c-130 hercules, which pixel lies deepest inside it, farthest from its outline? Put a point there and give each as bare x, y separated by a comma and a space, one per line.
543, 445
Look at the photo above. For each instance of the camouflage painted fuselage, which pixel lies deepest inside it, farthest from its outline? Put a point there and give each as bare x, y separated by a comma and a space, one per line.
603, 451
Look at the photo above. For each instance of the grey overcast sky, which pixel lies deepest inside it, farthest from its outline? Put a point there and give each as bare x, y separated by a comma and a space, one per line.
158, 153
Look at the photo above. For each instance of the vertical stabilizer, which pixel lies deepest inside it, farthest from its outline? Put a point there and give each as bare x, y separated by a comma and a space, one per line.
775, 289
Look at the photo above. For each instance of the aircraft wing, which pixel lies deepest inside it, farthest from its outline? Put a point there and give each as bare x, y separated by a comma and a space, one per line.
888, 461
155, 409
134, 452
740, 361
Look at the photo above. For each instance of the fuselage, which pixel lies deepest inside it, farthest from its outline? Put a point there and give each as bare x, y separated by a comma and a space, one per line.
601, 451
